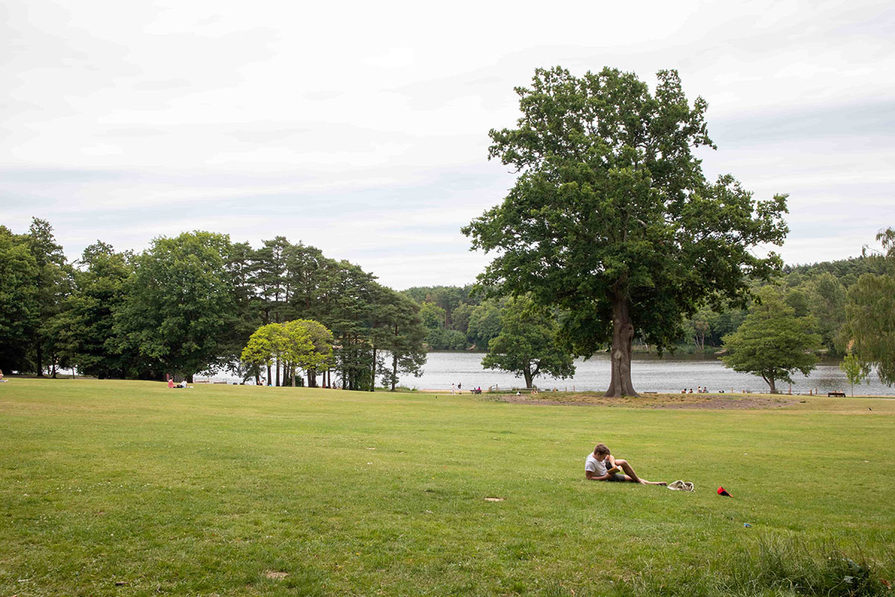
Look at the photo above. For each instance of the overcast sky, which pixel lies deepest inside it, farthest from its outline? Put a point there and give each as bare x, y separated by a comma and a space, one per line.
361, 127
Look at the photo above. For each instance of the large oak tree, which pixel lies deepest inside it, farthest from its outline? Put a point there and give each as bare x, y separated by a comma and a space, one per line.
611, 218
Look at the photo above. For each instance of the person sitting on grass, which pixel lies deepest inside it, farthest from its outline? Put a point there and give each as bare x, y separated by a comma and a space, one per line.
596, 469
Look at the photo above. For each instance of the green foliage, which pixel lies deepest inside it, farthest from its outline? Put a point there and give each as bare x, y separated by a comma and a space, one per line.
432, 316
85, 325
317, 353
772, 342
265, 345
700, 326
349, 305
827, 305
270, 278
854, 369
191, 303
439, 337
528, 343
180, 305
400, 332
484, 323
52, 284
298, 344
448, 298
846, 271
611, 218
870, 312
442, 339
239, 263
460, 317
19, 302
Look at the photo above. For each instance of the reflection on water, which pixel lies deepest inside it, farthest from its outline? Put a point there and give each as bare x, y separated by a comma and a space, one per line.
650, 374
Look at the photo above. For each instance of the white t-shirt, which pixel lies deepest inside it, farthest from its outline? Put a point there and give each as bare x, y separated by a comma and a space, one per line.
595, 466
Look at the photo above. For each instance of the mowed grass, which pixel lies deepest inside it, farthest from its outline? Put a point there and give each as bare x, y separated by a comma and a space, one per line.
130, 488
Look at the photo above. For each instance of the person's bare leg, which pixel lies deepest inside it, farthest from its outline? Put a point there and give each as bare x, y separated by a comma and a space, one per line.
630, 472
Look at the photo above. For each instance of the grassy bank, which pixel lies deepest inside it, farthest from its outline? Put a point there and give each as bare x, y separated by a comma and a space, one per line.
130, 488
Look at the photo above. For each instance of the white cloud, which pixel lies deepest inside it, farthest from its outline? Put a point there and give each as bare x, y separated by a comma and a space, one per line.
363, 127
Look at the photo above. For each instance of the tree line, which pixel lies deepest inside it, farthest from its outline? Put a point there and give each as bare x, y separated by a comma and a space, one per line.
828, 309
459, 318
189, 304
285, 314
611, 235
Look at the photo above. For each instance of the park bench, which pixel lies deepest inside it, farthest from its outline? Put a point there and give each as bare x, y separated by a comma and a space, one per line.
836, 394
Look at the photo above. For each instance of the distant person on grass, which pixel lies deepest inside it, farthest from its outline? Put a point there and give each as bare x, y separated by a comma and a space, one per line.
596, 469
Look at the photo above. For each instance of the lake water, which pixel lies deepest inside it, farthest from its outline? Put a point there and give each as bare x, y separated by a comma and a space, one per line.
649, 373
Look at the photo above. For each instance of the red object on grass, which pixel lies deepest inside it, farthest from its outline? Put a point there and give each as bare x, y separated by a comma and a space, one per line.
722, 491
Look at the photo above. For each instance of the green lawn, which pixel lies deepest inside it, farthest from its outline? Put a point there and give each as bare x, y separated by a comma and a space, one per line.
130, 488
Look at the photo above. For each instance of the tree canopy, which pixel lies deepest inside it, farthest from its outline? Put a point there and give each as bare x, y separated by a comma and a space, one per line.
870, 312
611, 218
179, 307
18, 300
527, 344
773, 342
300, 344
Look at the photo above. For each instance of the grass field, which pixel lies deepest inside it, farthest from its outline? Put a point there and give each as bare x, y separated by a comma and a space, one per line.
128, 488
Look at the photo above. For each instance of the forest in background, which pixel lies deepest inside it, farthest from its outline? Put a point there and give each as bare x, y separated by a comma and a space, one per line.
188, 305
457, 318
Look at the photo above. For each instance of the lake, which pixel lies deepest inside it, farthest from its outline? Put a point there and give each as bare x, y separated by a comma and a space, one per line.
649, 373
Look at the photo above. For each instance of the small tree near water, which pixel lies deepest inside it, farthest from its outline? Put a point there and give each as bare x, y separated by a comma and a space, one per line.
855, 370
527, 344
772, 342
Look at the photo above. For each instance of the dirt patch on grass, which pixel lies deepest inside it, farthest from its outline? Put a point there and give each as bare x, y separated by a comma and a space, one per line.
666, 401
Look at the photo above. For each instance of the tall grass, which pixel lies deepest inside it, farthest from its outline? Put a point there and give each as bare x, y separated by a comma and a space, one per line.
774, 566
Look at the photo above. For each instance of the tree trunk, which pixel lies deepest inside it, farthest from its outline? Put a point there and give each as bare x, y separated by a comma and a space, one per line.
622, 338
269, 378
373, 371
39, 355
526, 373
772, 383
277, 367
395, 371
